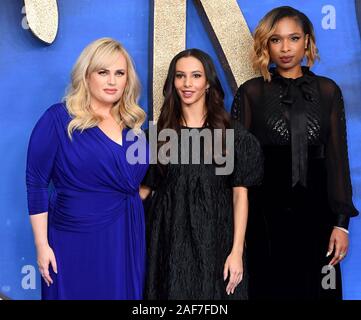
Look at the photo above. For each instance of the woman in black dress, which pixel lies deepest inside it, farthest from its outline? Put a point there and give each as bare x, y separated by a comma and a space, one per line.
299, 217
197, 219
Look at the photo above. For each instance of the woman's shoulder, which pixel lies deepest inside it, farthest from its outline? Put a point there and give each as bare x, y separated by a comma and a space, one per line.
57, 108
58, 112
257, 81
326, 80
251, 87
56, 116
327, 85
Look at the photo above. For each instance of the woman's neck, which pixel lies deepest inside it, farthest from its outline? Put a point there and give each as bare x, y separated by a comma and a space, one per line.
292, 73
194, 115
105, 111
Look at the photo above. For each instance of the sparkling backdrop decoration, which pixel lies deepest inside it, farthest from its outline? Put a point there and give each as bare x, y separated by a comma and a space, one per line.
42, 16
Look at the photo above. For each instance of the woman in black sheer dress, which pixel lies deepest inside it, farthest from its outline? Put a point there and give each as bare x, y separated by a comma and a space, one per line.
197, 219
299, 217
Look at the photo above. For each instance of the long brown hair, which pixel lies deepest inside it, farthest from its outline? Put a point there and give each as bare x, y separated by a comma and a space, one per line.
171, 112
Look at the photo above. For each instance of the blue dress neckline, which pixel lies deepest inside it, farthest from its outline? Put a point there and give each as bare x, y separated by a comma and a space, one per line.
102, 133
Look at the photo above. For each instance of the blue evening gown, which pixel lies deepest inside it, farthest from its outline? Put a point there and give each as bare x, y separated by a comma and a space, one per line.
96, 219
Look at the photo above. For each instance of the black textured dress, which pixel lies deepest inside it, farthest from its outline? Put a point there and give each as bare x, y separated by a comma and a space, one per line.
300, 124
190, 224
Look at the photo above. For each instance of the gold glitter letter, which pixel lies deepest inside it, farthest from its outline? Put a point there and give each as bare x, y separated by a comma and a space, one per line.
42, 16
169, 37
225, 25
231, 37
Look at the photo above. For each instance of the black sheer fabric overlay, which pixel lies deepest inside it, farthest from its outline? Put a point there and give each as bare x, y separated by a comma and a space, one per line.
300, 124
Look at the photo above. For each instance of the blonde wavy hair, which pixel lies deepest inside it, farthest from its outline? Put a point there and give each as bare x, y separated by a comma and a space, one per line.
260, 56
95, 57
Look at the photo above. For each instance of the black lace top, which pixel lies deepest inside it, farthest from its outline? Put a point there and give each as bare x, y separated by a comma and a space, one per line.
306, 114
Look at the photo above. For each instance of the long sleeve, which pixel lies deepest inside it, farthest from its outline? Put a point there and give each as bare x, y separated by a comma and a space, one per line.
42, 149
338, 172
248, 159
241, 109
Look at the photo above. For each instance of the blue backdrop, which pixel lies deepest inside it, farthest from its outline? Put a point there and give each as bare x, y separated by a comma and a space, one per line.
34, 76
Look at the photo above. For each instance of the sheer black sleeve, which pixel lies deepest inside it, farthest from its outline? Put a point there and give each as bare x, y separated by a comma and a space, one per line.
248, 159
338, 172
241, 109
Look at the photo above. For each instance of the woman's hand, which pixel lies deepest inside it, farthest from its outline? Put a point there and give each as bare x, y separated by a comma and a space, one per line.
144, 192
46, 256
338, 244
233, 269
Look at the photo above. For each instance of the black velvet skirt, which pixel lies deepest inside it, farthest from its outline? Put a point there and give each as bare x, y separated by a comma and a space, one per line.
288, 232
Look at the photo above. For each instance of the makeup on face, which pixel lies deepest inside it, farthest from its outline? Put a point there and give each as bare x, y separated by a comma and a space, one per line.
287, 47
